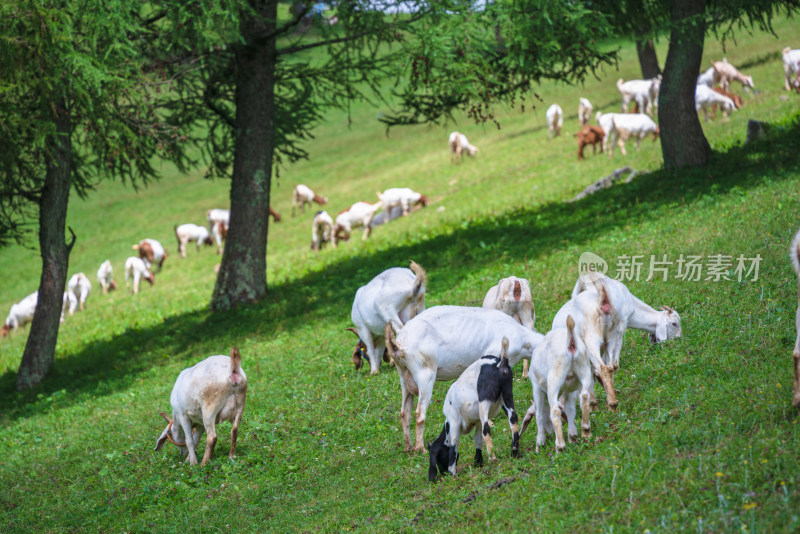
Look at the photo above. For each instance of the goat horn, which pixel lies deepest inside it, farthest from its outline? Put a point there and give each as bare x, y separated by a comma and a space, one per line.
165, 417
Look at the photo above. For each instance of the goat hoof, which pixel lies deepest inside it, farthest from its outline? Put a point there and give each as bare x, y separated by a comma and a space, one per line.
586, 433
572, 438
796, 400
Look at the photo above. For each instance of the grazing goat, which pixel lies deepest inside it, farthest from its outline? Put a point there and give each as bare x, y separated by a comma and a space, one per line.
303, 195
79, 288
395, 296
458, 144
725, 73
220, 232
589, 135
20, 313
512, 296
592, 311
218, 222
471, 402
359, 214
584, 110
560, 368
555, 120
192, 232
403, 197
606, 122
275, 215
791, 65
151, 252
137, 268
737, 100
628, 311
321, 228
637, 125
439, 344
104, 277
707, 99
643, 92
214, 390
794, 254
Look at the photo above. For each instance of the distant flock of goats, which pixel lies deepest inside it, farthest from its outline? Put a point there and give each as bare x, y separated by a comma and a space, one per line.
475, 346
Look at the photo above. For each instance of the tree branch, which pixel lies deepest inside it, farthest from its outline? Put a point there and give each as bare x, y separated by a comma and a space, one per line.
72, 242
216, 108
295, 49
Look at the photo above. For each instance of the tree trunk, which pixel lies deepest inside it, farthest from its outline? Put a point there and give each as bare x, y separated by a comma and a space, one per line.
682, 140
243, 274
648, 60
37, 359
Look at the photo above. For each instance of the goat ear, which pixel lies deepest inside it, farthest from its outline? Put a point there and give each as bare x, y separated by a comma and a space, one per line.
162, 438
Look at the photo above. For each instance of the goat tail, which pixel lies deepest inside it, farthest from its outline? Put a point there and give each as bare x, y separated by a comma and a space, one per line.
571, 345
602, 296
420, 280
794, 253
236, 360
391, 344
619, 83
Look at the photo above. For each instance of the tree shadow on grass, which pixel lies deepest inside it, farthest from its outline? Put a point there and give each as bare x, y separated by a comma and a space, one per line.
112, 365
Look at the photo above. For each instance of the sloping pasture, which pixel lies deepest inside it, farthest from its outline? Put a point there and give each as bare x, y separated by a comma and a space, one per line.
705, 439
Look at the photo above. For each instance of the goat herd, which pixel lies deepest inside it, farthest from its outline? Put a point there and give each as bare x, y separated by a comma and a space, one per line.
712, 91
476, 347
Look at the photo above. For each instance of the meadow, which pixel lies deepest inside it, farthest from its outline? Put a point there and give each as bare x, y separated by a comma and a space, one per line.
705, 438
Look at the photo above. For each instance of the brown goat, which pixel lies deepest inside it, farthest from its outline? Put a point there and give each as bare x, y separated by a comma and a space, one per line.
737, 100
589, 135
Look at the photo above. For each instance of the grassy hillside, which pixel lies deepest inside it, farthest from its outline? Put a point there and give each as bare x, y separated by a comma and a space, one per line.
705, 438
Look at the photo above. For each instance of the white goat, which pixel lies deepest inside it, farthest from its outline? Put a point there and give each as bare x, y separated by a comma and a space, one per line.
555, 120
592, 311
606, 122
458, 144
104, 277
359, 214
79, 287
791, 65
214, 390
395, 296
66, 302
560, 368
439, 344
218, 222
303, 195
794, 254
188, 232
631, 312
643, 92
705, 98
471, 402
137, 268
637, 125
725, 73
403, 197
321, 229
512, 296
20, 313
584, 110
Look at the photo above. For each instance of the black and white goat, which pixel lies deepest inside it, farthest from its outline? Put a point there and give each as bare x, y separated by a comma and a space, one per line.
471, 402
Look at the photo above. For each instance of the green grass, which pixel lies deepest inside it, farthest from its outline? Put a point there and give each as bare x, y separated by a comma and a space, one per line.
705, 438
